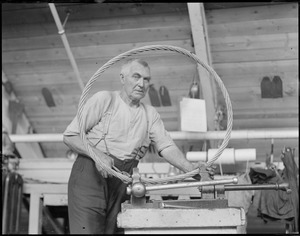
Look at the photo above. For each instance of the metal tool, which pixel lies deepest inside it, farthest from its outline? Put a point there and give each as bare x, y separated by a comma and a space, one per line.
165, 205
138, 190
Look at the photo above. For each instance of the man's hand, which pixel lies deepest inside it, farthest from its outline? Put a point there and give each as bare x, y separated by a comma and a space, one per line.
108, 161
205, 171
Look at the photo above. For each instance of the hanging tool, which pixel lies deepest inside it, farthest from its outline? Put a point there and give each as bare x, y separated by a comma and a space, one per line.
266, 87
164, 96
272, 151
194, 89
153, 95
48, 97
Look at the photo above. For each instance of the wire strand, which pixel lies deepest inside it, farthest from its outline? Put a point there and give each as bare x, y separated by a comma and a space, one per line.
132, 52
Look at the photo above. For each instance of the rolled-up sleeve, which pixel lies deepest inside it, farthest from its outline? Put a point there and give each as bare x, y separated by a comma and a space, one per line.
91, 113
158, 134
73, 128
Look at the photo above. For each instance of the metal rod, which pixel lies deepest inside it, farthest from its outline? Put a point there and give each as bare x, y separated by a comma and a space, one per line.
178, 135
237, 134
164, 205
61, 31
192, 184
239, 187
28, 138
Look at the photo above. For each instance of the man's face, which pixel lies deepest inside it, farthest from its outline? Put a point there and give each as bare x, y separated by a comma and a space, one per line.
136, 81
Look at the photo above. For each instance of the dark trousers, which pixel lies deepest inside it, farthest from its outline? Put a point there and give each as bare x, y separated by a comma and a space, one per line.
93, 201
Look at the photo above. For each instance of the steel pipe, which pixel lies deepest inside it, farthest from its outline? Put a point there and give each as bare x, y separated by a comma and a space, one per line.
234, 180
237, 134
61, 32
30, 138
178, 135
240, 187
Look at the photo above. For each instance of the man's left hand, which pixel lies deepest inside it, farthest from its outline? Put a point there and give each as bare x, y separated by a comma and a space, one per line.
204, 170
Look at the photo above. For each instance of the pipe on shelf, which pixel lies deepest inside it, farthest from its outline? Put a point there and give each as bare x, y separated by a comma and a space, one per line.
180, 135
237, 134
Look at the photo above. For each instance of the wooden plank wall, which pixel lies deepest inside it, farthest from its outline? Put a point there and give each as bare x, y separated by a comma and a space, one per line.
250, 43
246, 44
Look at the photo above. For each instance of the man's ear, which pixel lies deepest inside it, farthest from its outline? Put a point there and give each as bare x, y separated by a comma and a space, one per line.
122, 78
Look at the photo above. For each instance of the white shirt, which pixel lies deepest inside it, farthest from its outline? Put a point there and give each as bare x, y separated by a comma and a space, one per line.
127, 130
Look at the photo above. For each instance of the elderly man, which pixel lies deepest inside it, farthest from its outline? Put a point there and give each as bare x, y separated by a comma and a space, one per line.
119, 128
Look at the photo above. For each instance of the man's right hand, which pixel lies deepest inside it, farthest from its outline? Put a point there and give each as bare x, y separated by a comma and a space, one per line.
109, 162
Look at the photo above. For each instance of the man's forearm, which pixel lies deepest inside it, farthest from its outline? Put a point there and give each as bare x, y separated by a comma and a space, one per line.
76, 144
176, 158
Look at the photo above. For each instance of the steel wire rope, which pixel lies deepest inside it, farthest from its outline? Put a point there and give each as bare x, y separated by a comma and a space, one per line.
117, 173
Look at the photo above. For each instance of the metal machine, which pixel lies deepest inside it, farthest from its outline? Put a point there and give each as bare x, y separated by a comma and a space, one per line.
208, 215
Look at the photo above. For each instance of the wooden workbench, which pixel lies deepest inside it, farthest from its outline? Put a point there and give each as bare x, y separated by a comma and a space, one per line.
46, 183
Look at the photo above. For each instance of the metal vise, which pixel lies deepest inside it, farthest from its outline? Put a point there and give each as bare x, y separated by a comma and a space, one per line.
201, 216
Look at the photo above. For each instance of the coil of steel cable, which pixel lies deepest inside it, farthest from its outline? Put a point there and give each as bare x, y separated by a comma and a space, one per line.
133, 52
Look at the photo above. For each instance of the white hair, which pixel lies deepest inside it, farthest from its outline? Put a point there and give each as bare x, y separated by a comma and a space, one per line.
125, 66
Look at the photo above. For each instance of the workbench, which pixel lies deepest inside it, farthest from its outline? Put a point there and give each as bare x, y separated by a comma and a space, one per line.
44, 193
202, 216
45, 180
212, 220
47, 194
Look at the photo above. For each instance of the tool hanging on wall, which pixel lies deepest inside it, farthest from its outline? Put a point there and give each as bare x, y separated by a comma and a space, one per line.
164, 96
270, 158
271, 89
48, 97
194, 91
266, 87
277, 87
153, 95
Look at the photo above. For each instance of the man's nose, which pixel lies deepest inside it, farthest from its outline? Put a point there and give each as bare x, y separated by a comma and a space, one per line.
141, 82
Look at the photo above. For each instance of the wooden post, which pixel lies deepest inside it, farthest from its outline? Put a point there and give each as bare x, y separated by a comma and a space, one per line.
202, 50
35, 214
